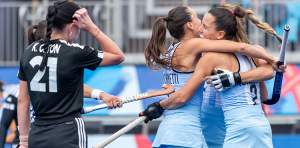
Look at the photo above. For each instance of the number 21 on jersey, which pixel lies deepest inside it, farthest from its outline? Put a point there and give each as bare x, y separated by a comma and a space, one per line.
41, 87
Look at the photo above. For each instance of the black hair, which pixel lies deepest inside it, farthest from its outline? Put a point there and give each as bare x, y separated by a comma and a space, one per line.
177, 18
58, 16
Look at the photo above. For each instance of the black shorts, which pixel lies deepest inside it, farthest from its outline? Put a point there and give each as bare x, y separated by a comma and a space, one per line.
67, 132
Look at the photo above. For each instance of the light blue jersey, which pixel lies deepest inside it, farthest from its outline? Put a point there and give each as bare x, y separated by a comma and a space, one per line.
181, 127
212, 119
178, 79
210, 97
246, 94
246, 124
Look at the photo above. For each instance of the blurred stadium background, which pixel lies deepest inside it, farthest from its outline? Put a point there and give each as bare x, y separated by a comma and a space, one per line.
128, 23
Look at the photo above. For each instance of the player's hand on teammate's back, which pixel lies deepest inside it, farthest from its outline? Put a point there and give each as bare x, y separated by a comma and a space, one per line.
111, 101
223, 79
153, 111
84, 22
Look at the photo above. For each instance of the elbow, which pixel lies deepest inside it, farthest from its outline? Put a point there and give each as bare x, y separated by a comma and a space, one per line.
22, 100
270, 74
182, 98
120, 59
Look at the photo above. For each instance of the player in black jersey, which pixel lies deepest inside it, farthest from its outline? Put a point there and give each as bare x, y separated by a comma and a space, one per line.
53, 80
35, 33
9, 113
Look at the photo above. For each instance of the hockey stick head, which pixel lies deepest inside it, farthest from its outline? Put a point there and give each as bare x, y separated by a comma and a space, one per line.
168, 88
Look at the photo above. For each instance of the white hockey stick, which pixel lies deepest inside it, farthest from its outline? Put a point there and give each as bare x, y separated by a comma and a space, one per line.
120, 132
168, 89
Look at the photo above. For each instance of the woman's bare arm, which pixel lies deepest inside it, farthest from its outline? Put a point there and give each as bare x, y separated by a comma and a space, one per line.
198, 46
204, 67
112, 54
24, 111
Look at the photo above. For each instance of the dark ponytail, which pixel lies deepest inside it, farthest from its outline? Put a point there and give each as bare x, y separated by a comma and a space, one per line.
31, 34
155, 47
58, 16
174, 22
37, 32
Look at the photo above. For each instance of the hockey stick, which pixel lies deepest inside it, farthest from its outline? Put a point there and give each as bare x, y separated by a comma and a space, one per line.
121, 132
168, 89
279, 75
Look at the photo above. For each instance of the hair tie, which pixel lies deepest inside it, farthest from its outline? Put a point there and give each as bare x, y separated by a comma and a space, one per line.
233, 13
166, 19
276, 35
35, 26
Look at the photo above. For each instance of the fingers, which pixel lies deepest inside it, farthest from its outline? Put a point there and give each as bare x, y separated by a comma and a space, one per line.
209, 82
120, 102
147, 120
283, 67
218, 86
109, 104
114, 104
75, 22
216, 82
214, 77
207, 77
221, 89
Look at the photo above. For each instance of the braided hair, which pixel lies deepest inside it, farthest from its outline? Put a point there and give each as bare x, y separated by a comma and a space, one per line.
58, 16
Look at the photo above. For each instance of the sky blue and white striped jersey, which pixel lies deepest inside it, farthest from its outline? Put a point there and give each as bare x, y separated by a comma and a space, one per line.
246, 94
178, 79
210, 97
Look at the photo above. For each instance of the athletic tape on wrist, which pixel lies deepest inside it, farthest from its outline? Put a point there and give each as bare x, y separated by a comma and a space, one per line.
96, 94
24, 140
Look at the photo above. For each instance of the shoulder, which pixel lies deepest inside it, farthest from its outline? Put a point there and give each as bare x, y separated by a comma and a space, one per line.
76, 49
73, 45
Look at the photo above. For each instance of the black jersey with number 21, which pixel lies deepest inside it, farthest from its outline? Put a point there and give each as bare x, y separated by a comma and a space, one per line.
57, 91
